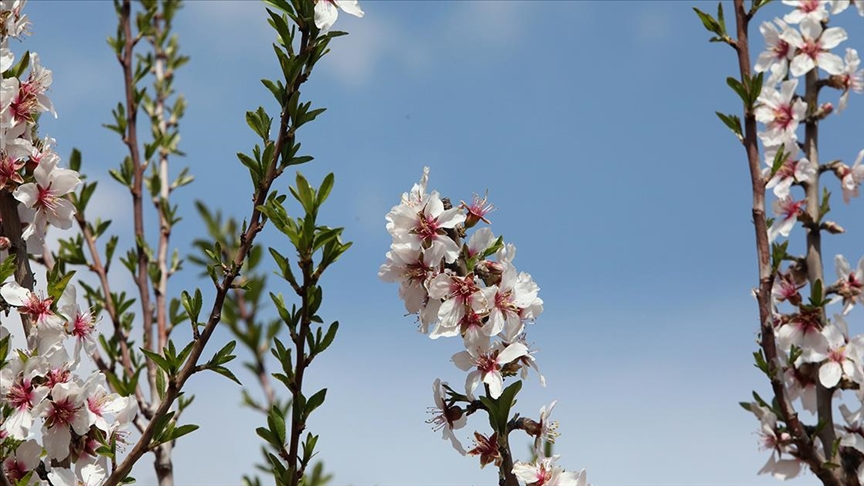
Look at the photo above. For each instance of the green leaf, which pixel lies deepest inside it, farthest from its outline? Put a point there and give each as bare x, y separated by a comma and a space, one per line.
779, 159
7, 268
778, 254
740, 89
506, 402
276, 422
492, 410
314, 402
159, 425
755, 88
720, 21
160, 361
324, 190
734, 124
178, 432
816, 294
56, 287
328, 338
192, 305
825, 205
708, 21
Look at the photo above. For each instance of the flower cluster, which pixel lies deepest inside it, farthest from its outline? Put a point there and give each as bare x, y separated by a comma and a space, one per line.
50, 418
814, 349
469, 289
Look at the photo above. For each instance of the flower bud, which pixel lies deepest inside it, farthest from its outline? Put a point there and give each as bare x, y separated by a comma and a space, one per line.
823, 111
490, 272
832, 227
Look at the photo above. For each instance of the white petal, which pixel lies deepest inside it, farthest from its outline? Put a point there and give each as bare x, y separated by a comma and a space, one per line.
325, 15
830, 373
351, 7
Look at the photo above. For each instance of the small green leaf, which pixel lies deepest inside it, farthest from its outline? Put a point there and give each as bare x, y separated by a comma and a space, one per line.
740, 89
314, 402
708, 21
733, 122
160, 361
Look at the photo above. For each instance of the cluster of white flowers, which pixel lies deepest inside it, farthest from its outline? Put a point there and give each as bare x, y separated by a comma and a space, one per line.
50, 418
796, 45
456, 290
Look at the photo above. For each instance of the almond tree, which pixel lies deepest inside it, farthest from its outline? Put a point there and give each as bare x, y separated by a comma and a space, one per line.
809, 357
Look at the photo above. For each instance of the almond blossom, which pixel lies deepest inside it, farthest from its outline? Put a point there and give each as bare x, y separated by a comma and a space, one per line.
24, 459
488, 366
515, 293
781, 112
64, 413
851, 79
458, 295
806, 9
544, 472
777, 51
787, 210
851, 178
771, 438
44, 199
839, 354
850, 283
411, 268
426, 227
792, 170
813, 45
447, 418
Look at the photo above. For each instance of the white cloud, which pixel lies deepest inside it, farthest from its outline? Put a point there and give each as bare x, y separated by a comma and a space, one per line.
371, 42
653, 26
490, 22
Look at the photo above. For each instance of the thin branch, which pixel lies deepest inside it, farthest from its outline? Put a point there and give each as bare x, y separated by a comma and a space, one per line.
256, 224
126, 60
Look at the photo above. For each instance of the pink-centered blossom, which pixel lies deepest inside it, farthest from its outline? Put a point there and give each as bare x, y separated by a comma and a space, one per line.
787, 211
837, 354
544, 472
781, 112
64, 413
806, 9
850, 283
813, 47
424, 227
487, 365
851, 178
24, 459
458, 294
45, 200
793, 169
850, 79
804, 330
411, 268
777, 51
514, 293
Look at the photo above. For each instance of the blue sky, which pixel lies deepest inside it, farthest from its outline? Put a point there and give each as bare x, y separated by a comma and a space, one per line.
592, 126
